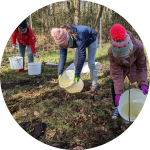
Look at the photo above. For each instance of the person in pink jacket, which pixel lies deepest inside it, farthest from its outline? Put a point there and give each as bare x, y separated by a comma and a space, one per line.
123, 44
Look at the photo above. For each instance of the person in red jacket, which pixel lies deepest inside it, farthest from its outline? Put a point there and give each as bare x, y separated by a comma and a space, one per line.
25, 37
125, 50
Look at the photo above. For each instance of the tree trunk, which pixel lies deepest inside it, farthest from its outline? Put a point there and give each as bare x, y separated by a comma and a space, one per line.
99, 15
91, 8
66, 6
109, 10
53, 14
77, 12
48, 14
83, 7
42, 17
104, 14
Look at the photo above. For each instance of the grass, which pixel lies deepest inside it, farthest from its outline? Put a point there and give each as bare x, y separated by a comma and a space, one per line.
71, 118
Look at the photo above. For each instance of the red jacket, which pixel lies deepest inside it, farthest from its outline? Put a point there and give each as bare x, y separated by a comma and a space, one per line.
27, 38
119, 69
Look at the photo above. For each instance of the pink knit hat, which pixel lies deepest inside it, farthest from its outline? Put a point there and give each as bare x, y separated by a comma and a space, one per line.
60, 36
121, 43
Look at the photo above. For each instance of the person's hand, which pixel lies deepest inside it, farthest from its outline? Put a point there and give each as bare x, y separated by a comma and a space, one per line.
117, 98
144, 89
59, 77
36, 55
14, 46
76, 79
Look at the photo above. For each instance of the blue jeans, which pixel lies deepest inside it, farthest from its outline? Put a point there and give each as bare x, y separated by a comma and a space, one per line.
21, 50
92, 48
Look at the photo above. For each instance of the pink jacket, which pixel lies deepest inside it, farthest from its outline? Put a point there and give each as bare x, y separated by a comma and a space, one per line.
119, 69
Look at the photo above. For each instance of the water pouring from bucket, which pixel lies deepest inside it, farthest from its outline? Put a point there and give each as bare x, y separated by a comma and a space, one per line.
137, 100
66, 82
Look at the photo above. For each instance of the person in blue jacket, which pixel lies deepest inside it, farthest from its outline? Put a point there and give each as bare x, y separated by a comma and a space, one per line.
79, 37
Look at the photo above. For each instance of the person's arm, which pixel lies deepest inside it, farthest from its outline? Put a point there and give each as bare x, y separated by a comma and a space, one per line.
116, 74
62, 60
141, 66
81, 48
32, 41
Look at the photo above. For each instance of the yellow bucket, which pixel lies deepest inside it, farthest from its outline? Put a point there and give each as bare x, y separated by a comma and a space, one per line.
66, 82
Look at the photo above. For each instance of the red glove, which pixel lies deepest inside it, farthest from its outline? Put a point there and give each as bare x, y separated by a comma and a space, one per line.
117, 98
144, 89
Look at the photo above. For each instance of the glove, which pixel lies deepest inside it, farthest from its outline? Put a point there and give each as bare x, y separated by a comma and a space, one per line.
14, 46
59, 77
117, 98
36, 55
144, 89
76, 79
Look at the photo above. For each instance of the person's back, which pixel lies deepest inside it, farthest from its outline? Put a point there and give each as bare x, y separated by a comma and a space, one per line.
79, 36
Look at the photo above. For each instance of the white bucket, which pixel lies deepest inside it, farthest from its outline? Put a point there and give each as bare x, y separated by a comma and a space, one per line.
34, 68
136, 96
73, 87
16, 62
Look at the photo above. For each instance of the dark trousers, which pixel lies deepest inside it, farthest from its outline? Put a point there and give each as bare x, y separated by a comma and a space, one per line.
113, 92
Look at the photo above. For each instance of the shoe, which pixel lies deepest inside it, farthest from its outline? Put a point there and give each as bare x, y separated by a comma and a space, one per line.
20, 70
93, 90
115, 113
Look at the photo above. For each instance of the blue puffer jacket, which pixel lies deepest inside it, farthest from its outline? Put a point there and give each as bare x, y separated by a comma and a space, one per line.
85, 36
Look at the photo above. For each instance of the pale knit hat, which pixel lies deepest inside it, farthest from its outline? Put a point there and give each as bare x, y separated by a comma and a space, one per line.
121, 43
60, 36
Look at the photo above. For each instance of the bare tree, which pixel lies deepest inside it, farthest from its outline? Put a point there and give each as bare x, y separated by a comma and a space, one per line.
77, 12
53, 14
99, 15
49, 13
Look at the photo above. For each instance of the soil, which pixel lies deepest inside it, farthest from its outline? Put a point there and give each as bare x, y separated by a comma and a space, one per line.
31, 135
31, 82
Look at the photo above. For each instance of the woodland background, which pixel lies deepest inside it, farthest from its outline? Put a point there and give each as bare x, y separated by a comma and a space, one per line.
73, 12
